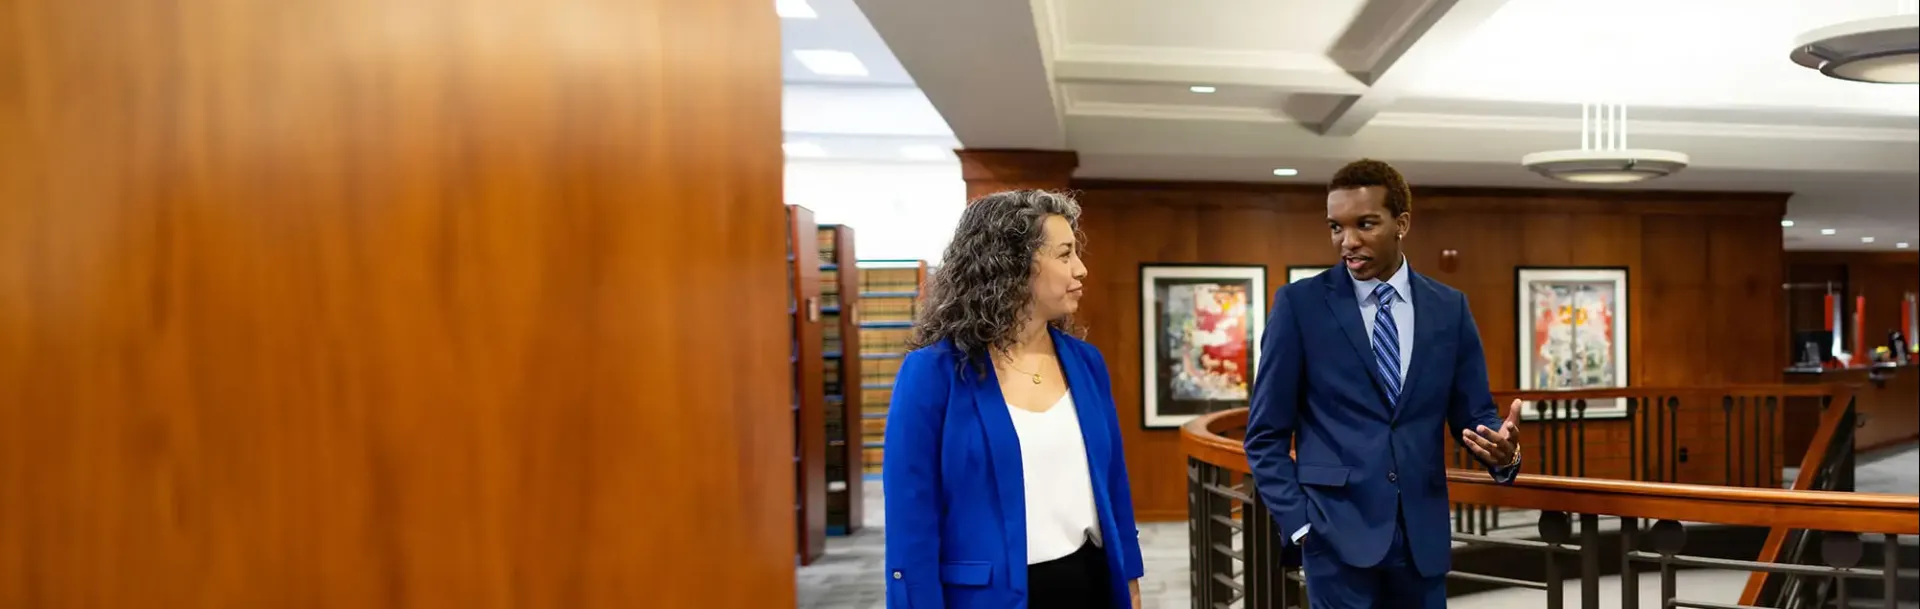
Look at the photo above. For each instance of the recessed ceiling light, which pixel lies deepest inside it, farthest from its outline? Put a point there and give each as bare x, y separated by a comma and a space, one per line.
1786, 224
925, 152
831, 63
1286, 171
1828, 231
794, 9
1901, 245
1201, 89
805, 149
1866, 239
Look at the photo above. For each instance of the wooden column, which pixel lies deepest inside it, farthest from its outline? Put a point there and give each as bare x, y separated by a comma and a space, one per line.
437, 304
991, 171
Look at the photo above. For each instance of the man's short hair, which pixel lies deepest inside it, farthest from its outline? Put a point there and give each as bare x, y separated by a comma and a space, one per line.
1369, 172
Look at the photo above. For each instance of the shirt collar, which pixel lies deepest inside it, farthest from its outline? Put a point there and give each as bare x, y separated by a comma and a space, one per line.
1401, 282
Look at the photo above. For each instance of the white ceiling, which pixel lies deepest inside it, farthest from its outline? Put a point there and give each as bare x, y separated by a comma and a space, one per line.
880, 117
1452, 91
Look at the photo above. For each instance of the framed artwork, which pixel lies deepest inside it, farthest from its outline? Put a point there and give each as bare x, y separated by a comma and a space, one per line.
1573, 332
1295, 274
1199, 335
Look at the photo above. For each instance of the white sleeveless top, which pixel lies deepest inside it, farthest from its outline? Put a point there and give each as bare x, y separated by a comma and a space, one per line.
1059, 486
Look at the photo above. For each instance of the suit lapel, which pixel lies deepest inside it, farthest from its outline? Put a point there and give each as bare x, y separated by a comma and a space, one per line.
1009, 480
1430, 322
1346, 310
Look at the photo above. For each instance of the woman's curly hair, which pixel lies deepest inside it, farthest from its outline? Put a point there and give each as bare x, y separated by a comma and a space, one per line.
978, 297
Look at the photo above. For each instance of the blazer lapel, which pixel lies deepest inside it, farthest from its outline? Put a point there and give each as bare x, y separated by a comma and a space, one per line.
1009, 480
1429, 324
1346, 310
1086, 402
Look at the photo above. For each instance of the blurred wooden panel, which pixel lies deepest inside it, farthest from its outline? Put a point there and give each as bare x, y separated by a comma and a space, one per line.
382, 305
1703, 259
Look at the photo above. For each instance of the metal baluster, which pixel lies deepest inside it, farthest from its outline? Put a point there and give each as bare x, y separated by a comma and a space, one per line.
1659, 436
1629, 570
1550, 416
1673, 438
1668, 539
1589, 561
1555, 530
1220, 576
1842, 551
1745, 440
1580, 420
1260, 569
1773, 442
1480, 513
1636, 425
1889, 571
1198, 550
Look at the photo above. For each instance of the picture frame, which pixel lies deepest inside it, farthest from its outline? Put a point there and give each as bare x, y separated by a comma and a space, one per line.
1200, 329
1297, 274
1573, 332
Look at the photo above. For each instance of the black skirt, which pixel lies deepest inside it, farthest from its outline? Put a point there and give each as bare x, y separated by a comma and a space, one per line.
1076, 581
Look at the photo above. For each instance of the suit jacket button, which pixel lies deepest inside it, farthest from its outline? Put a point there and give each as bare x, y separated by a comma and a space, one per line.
1393, 477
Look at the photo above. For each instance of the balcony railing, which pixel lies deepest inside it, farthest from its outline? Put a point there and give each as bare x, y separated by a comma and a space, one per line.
1237, 557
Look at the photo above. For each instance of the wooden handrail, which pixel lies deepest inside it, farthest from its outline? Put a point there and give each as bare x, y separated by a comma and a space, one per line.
1802, 509
1800, 390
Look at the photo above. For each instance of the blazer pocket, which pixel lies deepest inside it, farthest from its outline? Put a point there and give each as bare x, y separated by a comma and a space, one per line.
966, 573
1323, 475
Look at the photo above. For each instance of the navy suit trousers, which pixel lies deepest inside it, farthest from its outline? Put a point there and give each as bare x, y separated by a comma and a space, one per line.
1393, 584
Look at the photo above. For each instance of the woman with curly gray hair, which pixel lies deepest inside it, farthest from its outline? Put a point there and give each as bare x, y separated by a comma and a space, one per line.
1006, 485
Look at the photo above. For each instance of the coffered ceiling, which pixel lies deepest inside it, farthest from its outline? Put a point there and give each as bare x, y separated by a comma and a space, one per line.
1453, 91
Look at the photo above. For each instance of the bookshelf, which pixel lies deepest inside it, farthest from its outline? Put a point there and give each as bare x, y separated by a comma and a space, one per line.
809, 396
889, 294
839, 315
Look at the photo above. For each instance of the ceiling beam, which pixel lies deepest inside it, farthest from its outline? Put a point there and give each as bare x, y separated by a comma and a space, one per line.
1310, 73
981, 63
1420, 41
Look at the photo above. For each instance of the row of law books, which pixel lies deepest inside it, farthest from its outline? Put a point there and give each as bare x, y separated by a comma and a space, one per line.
889, 294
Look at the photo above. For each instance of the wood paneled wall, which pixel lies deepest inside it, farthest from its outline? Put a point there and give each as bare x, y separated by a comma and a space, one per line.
1704, 278
358, 303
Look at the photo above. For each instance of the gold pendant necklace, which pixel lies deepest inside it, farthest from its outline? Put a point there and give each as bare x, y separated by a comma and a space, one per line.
1034, 375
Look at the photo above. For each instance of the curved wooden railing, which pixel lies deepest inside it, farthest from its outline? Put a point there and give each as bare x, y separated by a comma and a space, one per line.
1230, 524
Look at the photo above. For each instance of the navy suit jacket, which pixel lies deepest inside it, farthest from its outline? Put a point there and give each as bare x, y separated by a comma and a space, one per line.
955, 493
1361, 459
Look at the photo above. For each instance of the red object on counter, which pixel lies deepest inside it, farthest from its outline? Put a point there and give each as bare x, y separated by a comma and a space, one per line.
1828, 318
1906, 320
1862, 355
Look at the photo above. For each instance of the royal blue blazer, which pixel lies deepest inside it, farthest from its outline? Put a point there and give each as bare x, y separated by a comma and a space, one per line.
1361, 462
956, 523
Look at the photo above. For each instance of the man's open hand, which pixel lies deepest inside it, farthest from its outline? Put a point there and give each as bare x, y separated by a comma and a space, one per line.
1496, 448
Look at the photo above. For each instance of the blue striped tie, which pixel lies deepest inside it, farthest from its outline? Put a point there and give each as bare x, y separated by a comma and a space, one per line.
1386, 342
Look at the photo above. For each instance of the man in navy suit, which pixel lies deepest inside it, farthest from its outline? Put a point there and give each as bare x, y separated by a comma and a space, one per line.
1360, 368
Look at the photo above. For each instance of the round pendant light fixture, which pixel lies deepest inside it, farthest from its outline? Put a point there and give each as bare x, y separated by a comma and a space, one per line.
1603, 156
1877, 50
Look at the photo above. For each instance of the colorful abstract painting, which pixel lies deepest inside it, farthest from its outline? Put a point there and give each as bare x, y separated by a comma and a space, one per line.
1573, 332
1200, 327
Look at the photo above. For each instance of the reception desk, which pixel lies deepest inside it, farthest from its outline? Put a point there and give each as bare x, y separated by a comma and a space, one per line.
1885, 397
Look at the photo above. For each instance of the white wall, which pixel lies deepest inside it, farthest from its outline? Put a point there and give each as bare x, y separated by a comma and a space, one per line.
897, 210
